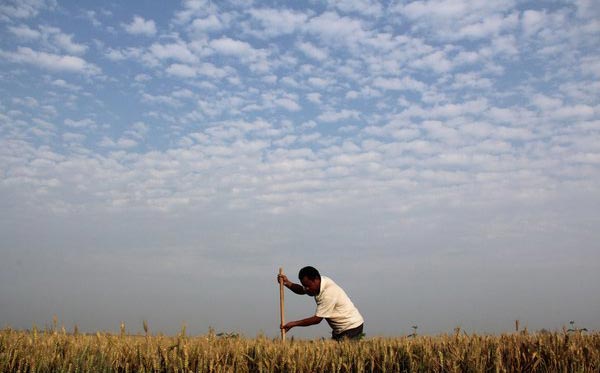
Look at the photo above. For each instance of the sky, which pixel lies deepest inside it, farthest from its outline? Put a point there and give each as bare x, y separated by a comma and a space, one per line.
160, 160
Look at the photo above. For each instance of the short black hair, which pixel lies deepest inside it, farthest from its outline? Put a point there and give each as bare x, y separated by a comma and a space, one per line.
310, 272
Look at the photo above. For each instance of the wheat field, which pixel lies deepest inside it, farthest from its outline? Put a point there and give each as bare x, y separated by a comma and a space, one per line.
56, 350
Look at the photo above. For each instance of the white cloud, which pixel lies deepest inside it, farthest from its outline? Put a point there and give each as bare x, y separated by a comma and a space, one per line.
288, 103
578, 111
160, 99
232, 47
26, 101
182, 71
140, 26
212, 71
589, 158
208, 24
138, 130
122, 143
335, 116
546, 102
183, 93
320, 82
194, 8
587, 8
397, 131
456, 19
177, 51
278, 21
132, 54
591, 65
352, 95
512, 133
471, 81
505, 45
83, 123
397, 84
362, 7
286, 141
452, 110
92, 16
73, 137
314, 97
142, 78
335, 29
436, 9
45, 126
53, 37
290, 82
436, 61
312, 51
25, 32
65, 42
63, 84
22, 9
49, 61
115, 55
467, 57
487, 27
532, 21
439, 131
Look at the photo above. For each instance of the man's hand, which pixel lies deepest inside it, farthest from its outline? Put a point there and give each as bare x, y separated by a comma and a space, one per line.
313, 320
288, 326
298, 289
285, 280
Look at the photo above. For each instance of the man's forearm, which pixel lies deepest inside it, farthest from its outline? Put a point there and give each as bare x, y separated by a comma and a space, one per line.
306, 322
298, 289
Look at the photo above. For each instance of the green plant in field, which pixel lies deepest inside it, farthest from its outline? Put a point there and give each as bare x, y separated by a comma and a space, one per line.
228, 335
414, 333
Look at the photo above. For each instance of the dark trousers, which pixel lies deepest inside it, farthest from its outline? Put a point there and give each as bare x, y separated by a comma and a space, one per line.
354, 333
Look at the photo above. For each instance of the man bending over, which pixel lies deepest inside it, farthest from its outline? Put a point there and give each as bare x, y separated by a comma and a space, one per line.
333, 304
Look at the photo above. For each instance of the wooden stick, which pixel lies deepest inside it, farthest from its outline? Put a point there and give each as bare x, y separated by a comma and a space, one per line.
281, 304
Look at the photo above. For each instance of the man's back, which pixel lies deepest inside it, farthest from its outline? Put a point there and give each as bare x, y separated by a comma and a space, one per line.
334, 305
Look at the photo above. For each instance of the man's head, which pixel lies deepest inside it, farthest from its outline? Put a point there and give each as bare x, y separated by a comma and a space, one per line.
311, 280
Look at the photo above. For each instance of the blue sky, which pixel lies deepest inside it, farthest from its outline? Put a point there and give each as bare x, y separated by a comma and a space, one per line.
438, 159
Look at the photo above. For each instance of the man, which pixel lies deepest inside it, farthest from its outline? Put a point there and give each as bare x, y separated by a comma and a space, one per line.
333, 304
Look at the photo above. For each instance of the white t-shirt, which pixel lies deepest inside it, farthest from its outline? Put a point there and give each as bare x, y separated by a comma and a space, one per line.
334, 305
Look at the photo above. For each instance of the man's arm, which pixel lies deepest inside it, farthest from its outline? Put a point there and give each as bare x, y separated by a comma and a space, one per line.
296, 288
304, 322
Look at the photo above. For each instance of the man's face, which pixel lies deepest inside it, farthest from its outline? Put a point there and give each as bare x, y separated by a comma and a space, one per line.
312, 287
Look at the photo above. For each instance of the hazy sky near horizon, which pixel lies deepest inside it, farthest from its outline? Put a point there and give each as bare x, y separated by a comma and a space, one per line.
439, 159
